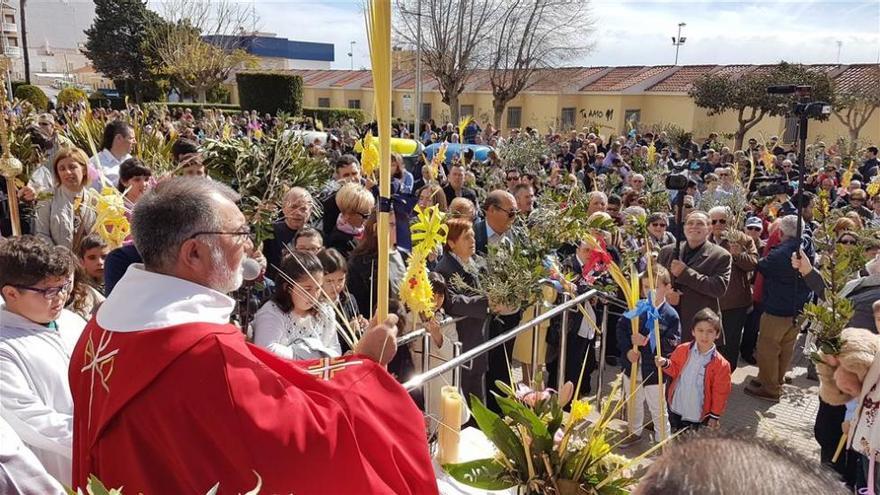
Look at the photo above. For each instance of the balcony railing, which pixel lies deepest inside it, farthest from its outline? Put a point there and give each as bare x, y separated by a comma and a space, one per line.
12, 51
9, 27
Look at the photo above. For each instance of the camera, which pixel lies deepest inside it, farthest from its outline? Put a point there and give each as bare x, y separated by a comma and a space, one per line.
777, 185
677, 180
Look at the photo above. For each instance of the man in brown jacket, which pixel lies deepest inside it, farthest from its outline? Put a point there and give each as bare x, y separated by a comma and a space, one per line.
737, 301
701, 272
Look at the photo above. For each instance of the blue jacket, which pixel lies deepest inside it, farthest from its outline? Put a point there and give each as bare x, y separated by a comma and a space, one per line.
785, 292
670, 334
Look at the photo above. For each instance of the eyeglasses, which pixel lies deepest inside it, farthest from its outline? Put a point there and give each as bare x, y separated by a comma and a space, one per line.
688, 207
755, 229
49, 292
512, 178
510, 213
245, 233
719, 220
365, 216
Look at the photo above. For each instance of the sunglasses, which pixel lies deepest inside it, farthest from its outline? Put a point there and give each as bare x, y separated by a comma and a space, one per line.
510, 213
756, 229
658, 225
719, 220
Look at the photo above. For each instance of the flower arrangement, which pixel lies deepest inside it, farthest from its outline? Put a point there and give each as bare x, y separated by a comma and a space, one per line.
541, 450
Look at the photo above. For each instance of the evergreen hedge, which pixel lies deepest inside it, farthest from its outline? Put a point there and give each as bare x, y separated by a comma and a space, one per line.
71, 96
269, 92
34, 95
330, 116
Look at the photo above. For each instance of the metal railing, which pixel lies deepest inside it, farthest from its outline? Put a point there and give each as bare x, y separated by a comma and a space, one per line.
457, 361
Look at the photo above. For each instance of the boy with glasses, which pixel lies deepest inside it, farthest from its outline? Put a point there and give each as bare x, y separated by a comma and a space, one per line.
37, 336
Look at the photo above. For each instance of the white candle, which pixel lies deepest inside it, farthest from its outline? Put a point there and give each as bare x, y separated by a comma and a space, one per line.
449, 433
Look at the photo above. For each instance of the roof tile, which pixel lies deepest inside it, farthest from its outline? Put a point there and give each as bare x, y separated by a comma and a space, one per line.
682, 80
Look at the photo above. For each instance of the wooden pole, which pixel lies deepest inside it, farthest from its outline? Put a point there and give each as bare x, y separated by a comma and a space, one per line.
652, 284
379, 34
10, 167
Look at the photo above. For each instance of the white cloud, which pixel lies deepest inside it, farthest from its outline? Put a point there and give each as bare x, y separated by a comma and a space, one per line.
639, 32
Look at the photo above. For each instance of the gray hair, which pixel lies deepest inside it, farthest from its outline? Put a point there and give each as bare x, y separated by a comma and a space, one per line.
171, 213
720, 210
788, 226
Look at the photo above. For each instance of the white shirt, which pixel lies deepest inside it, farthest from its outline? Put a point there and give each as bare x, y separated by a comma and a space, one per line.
20, 471
35, 395
296, 337
107, 164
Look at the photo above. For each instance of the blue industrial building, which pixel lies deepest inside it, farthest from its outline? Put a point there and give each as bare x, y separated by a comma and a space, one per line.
273, 47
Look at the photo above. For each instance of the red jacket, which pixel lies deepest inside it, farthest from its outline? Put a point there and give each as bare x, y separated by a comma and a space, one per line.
716, 384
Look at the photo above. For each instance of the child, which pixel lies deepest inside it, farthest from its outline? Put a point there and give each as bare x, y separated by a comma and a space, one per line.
297, 323
700, 376
670, 333
93, 251
335, 272
37, 336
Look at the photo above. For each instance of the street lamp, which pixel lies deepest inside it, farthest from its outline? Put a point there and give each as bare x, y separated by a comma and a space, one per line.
351, 52
679, 40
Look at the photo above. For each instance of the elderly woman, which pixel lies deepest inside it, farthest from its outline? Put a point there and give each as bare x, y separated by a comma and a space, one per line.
355, 206
63, 219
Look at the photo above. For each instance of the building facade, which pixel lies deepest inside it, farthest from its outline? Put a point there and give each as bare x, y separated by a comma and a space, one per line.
608, 98
274, 53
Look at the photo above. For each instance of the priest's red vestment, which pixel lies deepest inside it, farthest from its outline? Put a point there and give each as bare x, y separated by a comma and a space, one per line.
176, 410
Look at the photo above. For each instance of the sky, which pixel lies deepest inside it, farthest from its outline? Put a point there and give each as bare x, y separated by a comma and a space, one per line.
640, 32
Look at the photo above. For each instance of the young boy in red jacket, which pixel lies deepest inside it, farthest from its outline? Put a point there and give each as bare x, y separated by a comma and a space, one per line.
700, 375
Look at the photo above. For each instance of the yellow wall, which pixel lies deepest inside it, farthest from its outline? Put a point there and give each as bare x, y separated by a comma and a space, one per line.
544, 110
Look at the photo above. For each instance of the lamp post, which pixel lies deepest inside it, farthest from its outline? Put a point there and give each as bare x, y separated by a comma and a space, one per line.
351, 52
418, 84
679, 40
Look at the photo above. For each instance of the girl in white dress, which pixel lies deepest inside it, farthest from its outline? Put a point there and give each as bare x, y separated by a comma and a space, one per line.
296, 323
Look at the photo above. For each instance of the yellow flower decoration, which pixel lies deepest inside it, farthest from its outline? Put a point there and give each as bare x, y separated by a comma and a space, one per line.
846, 179
110, 222
369, 150
429, 230
462, 125
767, 158
873, 186
580, 409
437, 161
428, 233
652, 154
416, 290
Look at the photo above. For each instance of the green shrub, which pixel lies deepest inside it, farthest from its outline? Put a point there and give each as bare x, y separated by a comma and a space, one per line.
198, 109
330, 116
71, 96
34, 95
268, 92
16, 84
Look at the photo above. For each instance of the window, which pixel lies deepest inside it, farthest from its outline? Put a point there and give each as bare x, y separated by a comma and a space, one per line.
44, 67
9, 18
514, 117
323, 102
568, 117
12, 41
467, 110
426, 111
354, 103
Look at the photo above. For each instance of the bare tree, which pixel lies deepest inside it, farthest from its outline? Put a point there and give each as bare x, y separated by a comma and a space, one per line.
202, 42
854, 104
531, 36
454, 38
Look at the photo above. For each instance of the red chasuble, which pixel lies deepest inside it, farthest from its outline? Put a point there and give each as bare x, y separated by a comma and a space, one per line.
176, 410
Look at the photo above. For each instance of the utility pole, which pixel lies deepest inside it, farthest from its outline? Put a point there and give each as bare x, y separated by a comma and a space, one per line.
678, 41
351, 52
839, 46
417, 121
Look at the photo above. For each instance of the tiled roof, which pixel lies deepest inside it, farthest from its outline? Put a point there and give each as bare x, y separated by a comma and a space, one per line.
583, 79
682, 79
615, 78
857, 75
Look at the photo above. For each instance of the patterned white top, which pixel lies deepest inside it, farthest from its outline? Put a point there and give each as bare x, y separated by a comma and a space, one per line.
295, 337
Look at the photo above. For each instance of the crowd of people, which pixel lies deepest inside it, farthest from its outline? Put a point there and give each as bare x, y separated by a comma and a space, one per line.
733, 269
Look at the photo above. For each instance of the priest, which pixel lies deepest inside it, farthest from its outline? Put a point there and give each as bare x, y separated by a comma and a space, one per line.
169, 398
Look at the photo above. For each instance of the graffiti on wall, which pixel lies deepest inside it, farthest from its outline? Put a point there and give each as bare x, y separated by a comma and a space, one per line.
597, 113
